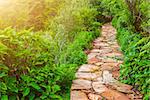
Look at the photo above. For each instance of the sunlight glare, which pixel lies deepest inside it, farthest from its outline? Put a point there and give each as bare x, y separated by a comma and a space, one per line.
4, 2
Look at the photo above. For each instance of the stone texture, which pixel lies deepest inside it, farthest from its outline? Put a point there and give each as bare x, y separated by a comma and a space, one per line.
96, 51
87, 52
92, 55
99, 87
94, 96
114, 95
107, 77
103, 51
99, 39
88, 76
111, 64
121, 87
78, 95
99, 63
88, 68
87, 91
135, 96
81, 84
98, 74
116, 74
101, 44
107, 60
113, 54
97, 80
93, 60
103, 67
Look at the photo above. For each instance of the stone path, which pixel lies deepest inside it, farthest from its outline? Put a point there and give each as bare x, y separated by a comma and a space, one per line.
98, 80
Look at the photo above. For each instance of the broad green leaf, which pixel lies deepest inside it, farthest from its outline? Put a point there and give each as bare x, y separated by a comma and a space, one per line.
4, 97
34, 85
3, 86
31, 96
13, 88
26, 91
56, 88
54, 96
44, 96
3, 67
3, 74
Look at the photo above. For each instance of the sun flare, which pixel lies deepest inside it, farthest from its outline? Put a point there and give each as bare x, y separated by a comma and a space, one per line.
4, 2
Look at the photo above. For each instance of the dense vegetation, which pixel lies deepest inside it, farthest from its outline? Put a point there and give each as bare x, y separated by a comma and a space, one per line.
132, 21
42, 43
40, 51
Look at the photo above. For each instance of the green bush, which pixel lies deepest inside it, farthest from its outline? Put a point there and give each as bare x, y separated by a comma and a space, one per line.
74, 53
41, 65
38, 83
24, 48
26, 69
135, 69
131, 19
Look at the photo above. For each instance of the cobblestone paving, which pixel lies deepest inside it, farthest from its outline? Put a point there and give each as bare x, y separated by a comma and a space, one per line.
98, 80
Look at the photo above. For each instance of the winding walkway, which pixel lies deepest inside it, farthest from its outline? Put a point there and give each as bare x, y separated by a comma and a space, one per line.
98, 80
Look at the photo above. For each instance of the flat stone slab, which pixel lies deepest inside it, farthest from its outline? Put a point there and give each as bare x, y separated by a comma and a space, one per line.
92, 55
109, 60
96, 51
101, 44
116, 74
135, 96
113, 54
109, 66
121, 87
99, 87
114, 95
78, 95
107, 77
88, 68
94, 96
101, 51
87, 76
93, 60
99, 63
81, 84
106, 68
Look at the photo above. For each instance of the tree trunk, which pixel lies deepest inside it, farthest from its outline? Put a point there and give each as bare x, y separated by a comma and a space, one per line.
133, 6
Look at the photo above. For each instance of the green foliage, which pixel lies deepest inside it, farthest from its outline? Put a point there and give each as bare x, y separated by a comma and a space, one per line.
38, 83
24, 48
41, 65
135, 69
74, 53
131, 19
13, 15
126, 14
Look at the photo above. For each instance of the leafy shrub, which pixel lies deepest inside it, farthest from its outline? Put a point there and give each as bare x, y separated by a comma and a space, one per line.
28, 17
131, 19
24, 48
74, 53
133, 15
39, 83
135, 69
42, 64
27, 65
